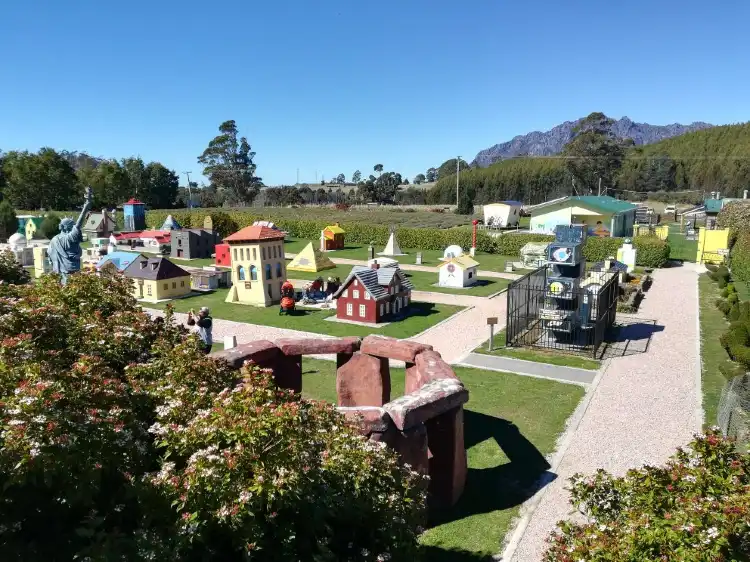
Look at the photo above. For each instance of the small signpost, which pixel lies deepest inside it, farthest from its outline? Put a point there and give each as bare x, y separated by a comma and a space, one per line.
491, 321
419, 258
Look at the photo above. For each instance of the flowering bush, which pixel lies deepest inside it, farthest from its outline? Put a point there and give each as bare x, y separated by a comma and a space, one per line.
695, 508
11, 271
120, 440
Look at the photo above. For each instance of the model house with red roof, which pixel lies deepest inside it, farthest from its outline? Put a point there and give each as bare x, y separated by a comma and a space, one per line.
144, 240
373, 294
258, 264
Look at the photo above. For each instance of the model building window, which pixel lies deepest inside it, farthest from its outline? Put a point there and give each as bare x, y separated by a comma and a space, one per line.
166, 286
148, 290
345, 293
268, 271
355, 294
182, 283
235, 254
241, 273
362, 311
174, 284
470, 274
255, 254
382, 308
278, 270
367, 296
270, 293
253, 273
349, 309
263, 252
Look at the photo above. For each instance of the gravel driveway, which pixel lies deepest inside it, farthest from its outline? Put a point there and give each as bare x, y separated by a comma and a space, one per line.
643, 407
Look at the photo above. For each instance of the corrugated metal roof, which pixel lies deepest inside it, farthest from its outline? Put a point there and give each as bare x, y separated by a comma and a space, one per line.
603, 203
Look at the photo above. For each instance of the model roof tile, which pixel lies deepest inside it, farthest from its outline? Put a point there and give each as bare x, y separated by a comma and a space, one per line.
255, 233
156, 269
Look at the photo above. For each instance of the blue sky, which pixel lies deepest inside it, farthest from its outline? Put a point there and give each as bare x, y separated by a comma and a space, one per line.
334, 86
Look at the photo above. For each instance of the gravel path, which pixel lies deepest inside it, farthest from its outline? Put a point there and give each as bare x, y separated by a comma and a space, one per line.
414, 267
642, 407
458, 336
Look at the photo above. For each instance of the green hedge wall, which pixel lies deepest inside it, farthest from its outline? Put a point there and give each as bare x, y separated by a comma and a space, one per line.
740, 257
652, 252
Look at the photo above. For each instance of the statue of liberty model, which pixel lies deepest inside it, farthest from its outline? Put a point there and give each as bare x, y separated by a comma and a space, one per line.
65, 248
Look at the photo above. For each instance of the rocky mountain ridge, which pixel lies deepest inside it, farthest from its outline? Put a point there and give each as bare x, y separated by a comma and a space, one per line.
548, 143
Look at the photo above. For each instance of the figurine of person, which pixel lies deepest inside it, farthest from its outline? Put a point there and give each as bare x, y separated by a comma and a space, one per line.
65, 248
204, 323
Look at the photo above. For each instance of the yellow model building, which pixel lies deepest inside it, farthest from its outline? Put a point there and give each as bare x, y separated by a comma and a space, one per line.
258, 265
157, 279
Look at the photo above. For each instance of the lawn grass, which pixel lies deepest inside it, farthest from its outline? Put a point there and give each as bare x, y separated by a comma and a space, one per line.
422, 281
424, 316
521, 415
193, 263
713, 355
537, 355
490, 262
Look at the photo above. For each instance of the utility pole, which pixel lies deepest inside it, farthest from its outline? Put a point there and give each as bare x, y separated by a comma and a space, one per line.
600, 186
458, 172
190, 191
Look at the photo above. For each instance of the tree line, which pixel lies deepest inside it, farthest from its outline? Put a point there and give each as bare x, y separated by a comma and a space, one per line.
678, 169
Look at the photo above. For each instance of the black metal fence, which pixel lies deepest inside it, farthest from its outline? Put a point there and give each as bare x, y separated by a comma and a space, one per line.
549, 314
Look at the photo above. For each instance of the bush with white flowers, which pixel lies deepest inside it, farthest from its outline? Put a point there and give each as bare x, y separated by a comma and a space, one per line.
696, 508
121, 441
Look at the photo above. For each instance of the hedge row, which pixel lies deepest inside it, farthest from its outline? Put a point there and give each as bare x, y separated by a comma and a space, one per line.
652, 252
740, 257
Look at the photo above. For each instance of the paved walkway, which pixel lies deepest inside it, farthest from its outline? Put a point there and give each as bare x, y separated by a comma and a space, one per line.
414, 267
529, 368
640, 409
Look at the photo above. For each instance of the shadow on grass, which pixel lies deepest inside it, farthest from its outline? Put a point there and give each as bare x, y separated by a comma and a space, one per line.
416, 309
500, 487
629, 336
436, 554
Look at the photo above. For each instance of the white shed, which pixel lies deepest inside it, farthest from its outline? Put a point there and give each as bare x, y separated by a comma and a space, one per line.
458, 272
504, 214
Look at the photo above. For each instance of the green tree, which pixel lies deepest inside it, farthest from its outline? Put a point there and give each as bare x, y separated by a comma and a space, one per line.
356, 177
50, 226
448, 168
109, 181
419, 179
161, 186
465, 204
378, 168
42, 180
432, 175
594, 154
340, 179
8, 220
135, 169
228, 163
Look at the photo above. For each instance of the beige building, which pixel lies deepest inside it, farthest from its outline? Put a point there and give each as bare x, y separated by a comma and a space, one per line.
258, 265
157, 279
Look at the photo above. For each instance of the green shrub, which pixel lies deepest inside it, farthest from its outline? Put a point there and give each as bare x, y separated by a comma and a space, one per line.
600, 248
693, 509
739, 257
11, 271
734, 215
711, 267
734, 311
723, 306
50, 226
122, 441
733, 299
731, 288
651, 252
724, 292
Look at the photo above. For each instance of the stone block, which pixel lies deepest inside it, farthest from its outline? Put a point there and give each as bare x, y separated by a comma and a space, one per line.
412, 381
434, 398
392, 348
262, 352
317, 346
448, 465
288, 372
363, 381
431, 367
369, 419
411, 446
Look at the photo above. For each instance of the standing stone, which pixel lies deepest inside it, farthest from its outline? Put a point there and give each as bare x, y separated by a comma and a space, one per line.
419, 258
448, 465
363, 381
411, 446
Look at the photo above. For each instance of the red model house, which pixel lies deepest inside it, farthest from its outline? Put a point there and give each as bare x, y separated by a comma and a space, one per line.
223, 256
374, 294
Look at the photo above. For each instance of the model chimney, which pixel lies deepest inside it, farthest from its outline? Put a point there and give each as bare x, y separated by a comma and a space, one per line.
375, 265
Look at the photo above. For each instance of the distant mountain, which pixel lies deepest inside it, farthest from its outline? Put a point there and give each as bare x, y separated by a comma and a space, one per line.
552, 142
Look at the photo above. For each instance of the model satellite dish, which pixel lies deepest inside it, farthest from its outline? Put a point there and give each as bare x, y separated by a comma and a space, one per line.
452, 252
